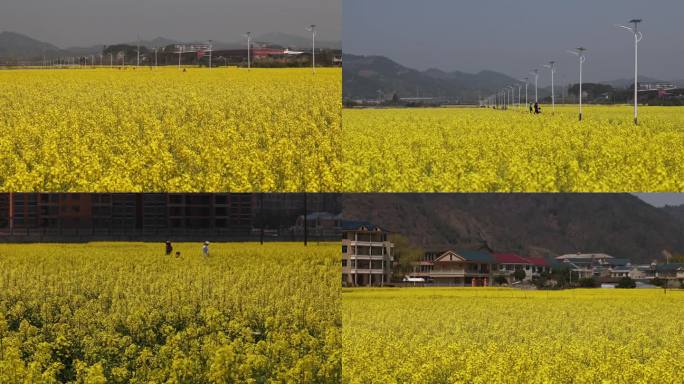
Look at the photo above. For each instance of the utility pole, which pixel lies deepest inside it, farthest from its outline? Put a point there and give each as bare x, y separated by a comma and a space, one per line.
638, 36
306, 224
552, 66
312, 29
579, 52
210, 52
535, 72
249, 50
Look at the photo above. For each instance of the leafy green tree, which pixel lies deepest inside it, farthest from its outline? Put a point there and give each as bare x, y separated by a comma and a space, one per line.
519, 275
626, 282
405, 254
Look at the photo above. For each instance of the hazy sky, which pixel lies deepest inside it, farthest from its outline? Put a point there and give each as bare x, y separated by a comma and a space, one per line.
88, 22
514, 37
661, 199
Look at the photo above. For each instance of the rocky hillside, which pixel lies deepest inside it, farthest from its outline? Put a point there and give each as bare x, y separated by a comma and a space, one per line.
535, 224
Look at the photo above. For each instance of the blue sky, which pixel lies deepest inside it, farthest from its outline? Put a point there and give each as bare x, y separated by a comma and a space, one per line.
89, 22
514, 37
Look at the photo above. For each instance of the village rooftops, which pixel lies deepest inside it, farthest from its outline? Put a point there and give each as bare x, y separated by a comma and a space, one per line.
510, 258
618, 262
671, 267
363, 226
539, 261
466, 256
584, 256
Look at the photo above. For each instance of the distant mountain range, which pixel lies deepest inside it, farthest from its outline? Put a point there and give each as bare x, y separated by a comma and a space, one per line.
364, 76
370, 77
545, 225
17, 46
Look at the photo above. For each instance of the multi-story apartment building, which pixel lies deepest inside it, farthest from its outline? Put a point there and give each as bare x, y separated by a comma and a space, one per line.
367, 255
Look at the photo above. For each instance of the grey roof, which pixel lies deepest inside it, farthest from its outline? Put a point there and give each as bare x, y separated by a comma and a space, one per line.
352, 225
478, 256
670, 267
618, 262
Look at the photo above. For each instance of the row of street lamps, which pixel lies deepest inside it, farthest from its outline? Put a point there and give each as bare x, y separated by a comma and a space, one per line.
501, 100
248, 35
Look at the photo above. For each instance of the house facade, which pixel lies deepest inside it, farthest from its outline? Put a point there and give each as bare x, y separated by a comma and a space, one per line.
456, 268
367, 255
508, 263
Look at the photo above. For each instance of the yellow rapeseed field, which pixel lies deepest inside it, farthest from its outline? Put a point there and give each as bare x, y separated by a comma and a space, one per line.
126, 313
492, 336
485, 150
97, 130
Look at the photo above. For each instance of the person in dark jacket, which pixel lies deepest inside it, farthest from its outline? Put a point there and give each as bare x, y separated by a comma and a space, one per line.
169, 248
537, 109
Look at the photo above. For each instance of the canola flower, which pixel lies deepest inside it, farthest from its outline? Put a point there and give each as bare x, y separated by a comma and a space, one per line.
126, 313
114, 130
489, 335
485, 150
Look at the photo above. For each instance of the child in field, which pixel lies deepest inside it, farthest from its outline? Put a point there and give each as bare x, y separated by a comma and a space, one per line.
177, 254
537, 109
169, 248
205, 249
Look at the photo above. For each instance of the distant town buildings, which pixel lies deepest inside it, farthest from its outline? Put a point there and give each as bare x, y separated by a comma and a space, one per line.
70, 217
364, 266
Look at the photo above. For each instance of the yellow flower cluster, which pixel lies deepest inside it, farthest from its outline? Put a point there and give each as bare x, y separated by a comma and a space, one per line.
485, 150
168, 130
126, 313
487, 335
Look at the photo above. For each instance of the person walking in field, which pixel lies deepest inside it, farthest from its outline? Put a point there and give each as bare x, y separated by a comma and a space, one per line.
531, 108
205, 249
169, 248
537, 109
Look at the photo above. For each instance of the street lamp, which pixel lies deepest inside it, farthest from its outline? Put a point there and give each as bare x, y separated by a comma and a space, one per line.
211, 46
638, 36
312, 29
579, 52
249, 45
535, 72
552, 66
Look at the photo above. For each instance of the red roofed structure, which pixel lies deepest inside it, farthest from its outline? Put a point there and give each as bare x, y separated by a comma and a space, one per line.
510, 262
510, 258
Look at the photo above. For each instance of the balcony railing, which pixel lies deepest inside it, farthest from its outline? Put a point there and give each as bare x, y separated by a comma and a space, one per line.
363, 271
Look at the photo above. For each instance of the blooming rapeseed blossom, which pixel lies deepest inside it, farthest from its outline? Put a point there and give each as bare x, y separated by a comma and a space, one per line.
98, 130
489, 335
127, 313
485, 150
